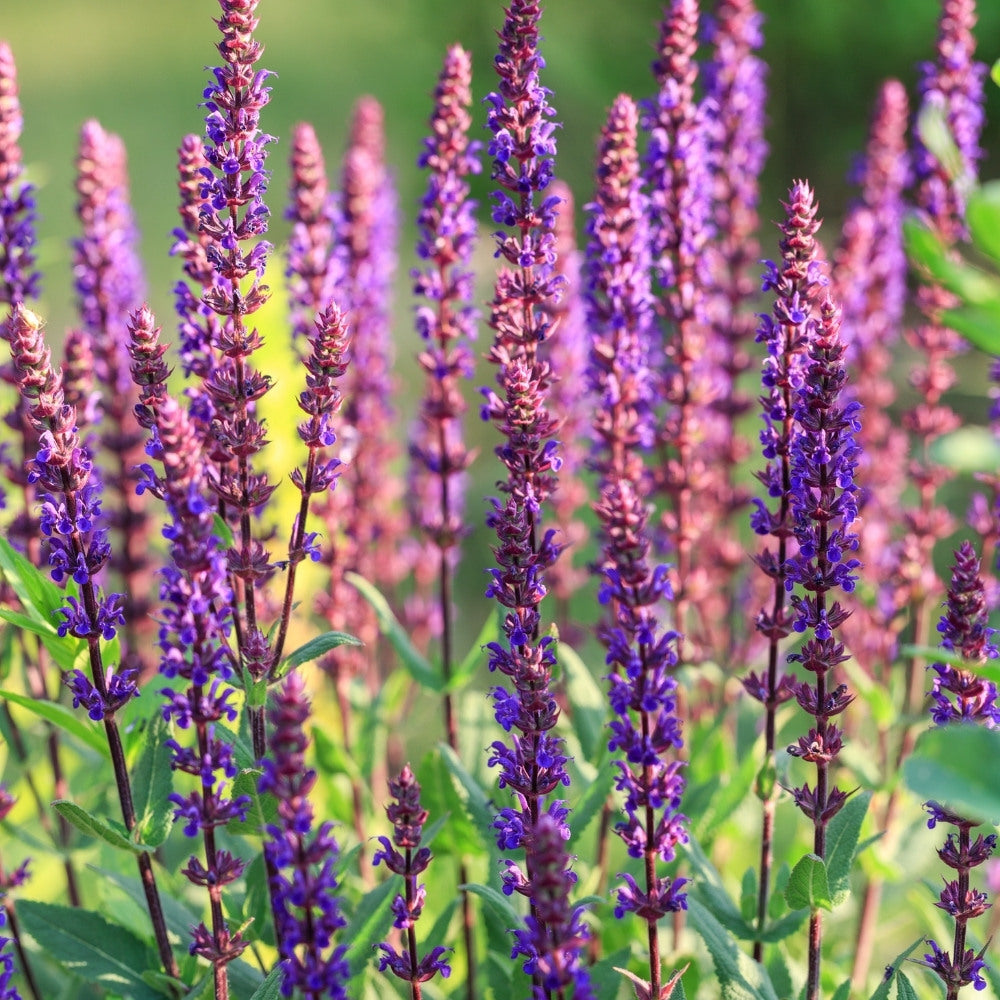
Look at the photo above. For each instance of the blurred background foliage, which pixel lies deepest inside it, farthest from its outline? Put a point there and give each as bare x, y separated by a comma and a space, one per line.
139, 68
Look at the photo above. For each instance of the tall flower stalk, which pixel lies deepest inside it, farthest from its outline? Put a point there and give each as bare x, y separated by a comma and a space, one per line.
309, 271
195, 624
19, 284
823, 509
9, 880
960, 695
645, 729
678, 179
951, 85
78, 550
869, 278
404, 856
533, 766
796, 282
446, 322
109, 285
301, 860
735, 93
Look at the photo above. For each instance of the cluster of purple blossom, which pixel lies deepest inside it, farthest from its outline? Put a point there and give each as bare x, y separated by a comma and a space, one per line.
656, 320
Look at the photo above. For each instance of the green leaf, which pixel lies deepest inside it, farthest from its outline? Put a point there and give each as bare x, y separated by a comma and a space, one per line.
270, 989
588, 703
783, 927
223, 532
497, 902
474, 799
331, 756
369, 925
257, 902
712, 893
152, 783
740, 977
263, 809
748, 896
473, 659
842, 835
808, 885
604, 976
734, 789
982, 215
65, 651
978, 324
967, 449
63, 718
781, 978
315, 648
178, 917
39, 596
108, 830
889, 987
416, 664
935, 653
843, 991
932, 128
92, 947
946, 766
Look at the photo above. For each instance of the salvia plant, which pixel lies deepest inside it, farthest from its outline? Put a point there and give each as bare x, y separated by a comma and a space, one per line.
706, 740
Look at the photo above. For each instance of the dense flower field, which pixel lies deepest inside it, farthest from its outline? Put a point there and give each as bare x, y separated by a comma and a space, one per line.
727, 729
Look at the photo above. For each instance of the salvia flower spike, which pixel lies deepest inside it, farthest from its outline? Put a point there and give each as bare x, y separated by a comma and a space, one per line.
533, 766
645, 730
404, 856
446, 323
195, 625
302, 857
823, 502
796, 281
960, 695
78, 550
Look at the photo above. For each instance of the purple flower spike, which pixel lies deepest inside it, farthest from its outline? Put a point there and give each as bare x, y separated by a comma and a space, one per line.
309, 271
364, 515
645, 729
959, 695
301, 859
109, 284
71, 509
678, 178
952, 84
7, 989
533, 765
18, 278
446, 322
404, 856
554, 940
869, 278
733, 115
796, 281
195, 623
198, 324
19, 282
823, 507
